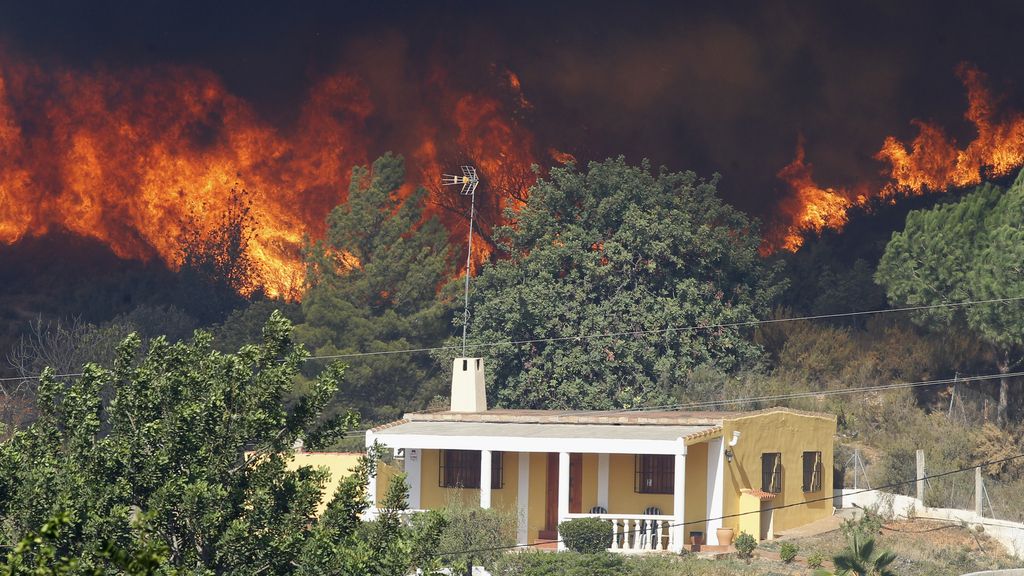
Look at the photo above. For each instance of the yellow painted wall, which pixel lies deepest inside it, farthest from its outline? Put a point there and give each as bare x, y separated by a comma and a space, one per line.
506, 498
385, 472
772, 431
588, 493
790, 434
696, 503
338, 464
621, 497
432, 495
750, 519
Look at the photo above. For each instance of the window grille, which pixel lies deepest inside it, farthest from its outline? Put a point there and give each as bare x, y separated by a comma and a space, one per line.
654, 474
771, 472
461, 469
812, 471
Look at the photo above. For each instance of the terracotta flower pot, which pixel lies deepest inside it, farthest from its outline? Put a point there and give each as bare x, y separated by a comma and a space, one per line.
724, 536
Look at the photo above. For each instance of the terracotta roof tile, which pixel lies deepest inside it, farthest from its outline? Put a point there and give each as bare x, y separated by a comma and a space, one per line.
760, 494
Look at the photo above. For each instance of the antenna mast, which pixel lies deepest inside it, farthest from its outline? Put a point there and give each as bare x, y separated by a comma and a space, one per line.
469, 181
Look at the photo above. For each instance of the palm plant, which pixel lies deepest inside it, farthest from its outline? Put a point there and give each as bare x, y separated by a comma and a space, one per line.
861, 559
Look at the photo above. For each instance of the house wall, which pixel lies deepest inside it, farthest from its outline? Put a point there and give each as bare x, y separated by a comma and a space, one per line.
432, 495
789, 434
786, 432
338, 464
385, 473
749, 520
622, 499
538, 484
588, 495
695, 504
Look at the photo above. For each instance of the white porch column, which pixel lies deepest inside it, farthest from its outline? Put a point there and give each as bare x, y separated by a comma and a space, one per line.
523, 500
563, 491
413, 476
371, 487
485, 479
716, 486
602, 480
679, 499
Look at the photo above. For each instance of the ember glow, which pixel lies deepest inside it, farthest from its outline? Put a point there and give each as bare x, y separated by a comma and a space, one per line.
130, 157
932, 162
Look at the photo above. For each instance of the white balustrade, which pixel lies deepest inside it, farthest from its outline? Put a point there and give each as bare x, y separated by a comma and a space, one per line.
637, 532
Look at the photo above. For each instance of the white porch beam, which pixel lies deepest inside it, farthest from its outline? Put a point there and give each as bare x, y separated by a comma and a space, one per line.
563, 492
485, 479
530, 444
716, 486
679, 499
413, 473
602, 480
523, 500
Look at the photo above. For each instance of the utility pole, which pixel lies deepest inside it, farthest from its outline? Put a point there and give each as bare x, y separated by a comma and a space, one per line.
920, 476
979, 493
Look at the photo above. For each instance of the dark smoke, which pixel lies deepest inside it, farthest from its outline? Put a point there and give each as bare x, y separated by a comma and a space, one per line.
723, 87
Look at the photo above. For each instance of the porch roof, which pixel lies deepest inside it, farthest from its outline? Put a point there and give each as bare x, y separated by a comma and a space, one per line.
543, 437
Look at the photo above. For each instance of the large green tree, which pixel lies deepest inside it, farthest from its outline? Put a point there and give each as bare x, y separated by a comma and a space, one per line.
182, 454
967, 250
618, 249
374, 286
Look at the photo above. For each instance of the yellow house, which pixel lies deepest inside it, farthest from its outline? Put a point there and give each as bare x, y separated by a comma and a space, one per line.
338, 464
659, 476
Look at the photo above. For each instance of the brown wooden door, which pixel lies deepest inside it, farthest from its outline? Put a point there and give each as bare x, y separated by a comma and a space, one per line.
575, 483
550, 530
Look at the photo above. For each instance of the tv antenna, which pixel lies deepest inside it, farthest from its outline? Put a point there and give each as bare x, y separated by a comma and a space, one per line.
469, 181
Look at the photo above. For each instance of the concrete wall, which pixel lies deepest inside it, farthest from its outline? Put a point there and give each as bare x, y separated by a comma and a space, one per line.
1009, 534
791, 434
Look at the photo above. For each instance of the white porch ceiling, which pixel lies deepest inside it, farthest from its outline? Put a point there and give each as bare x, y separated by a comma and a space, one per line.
592, 438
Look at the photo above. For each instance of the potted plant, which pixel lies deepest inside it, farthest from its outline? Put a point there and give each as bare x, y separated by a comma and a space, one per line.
696, 539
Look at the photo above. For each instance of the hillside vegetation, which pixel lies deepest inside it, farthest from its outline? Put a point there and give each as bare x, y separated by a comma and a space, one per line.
633, 287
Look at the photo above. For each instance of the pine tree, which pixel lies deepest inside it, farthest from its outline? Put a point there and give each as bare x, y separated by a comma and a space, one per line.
374, 285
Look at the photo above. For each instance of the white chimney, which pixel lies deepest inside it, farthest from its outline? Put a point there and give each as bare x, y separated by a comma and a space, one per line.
468, 391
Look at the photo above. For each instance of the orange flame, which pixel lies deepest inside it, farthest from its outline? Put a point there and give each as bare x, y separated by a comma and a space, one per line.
811, 206
934, 162
129, 157
931, 163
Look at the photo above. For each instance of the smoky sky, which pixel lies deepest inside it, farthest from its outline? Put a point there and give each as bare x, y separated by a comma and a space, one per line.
721, 87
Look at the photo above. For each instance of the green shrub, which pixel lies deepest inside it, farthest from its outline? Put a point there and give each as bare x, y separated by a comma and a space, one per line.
745, 545
816, 560
481, 532
867, 525
586, 535
788, 551
537, 563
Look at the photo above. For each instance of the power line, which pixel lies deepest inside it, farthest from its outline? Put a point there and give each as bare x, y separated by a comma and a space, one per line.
616, 334
38, 376
818, 393
738, 514
670, 329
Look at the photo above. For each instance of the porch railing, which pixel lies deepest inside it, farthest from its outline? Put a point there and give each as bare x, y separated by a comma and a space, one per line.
638, 532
